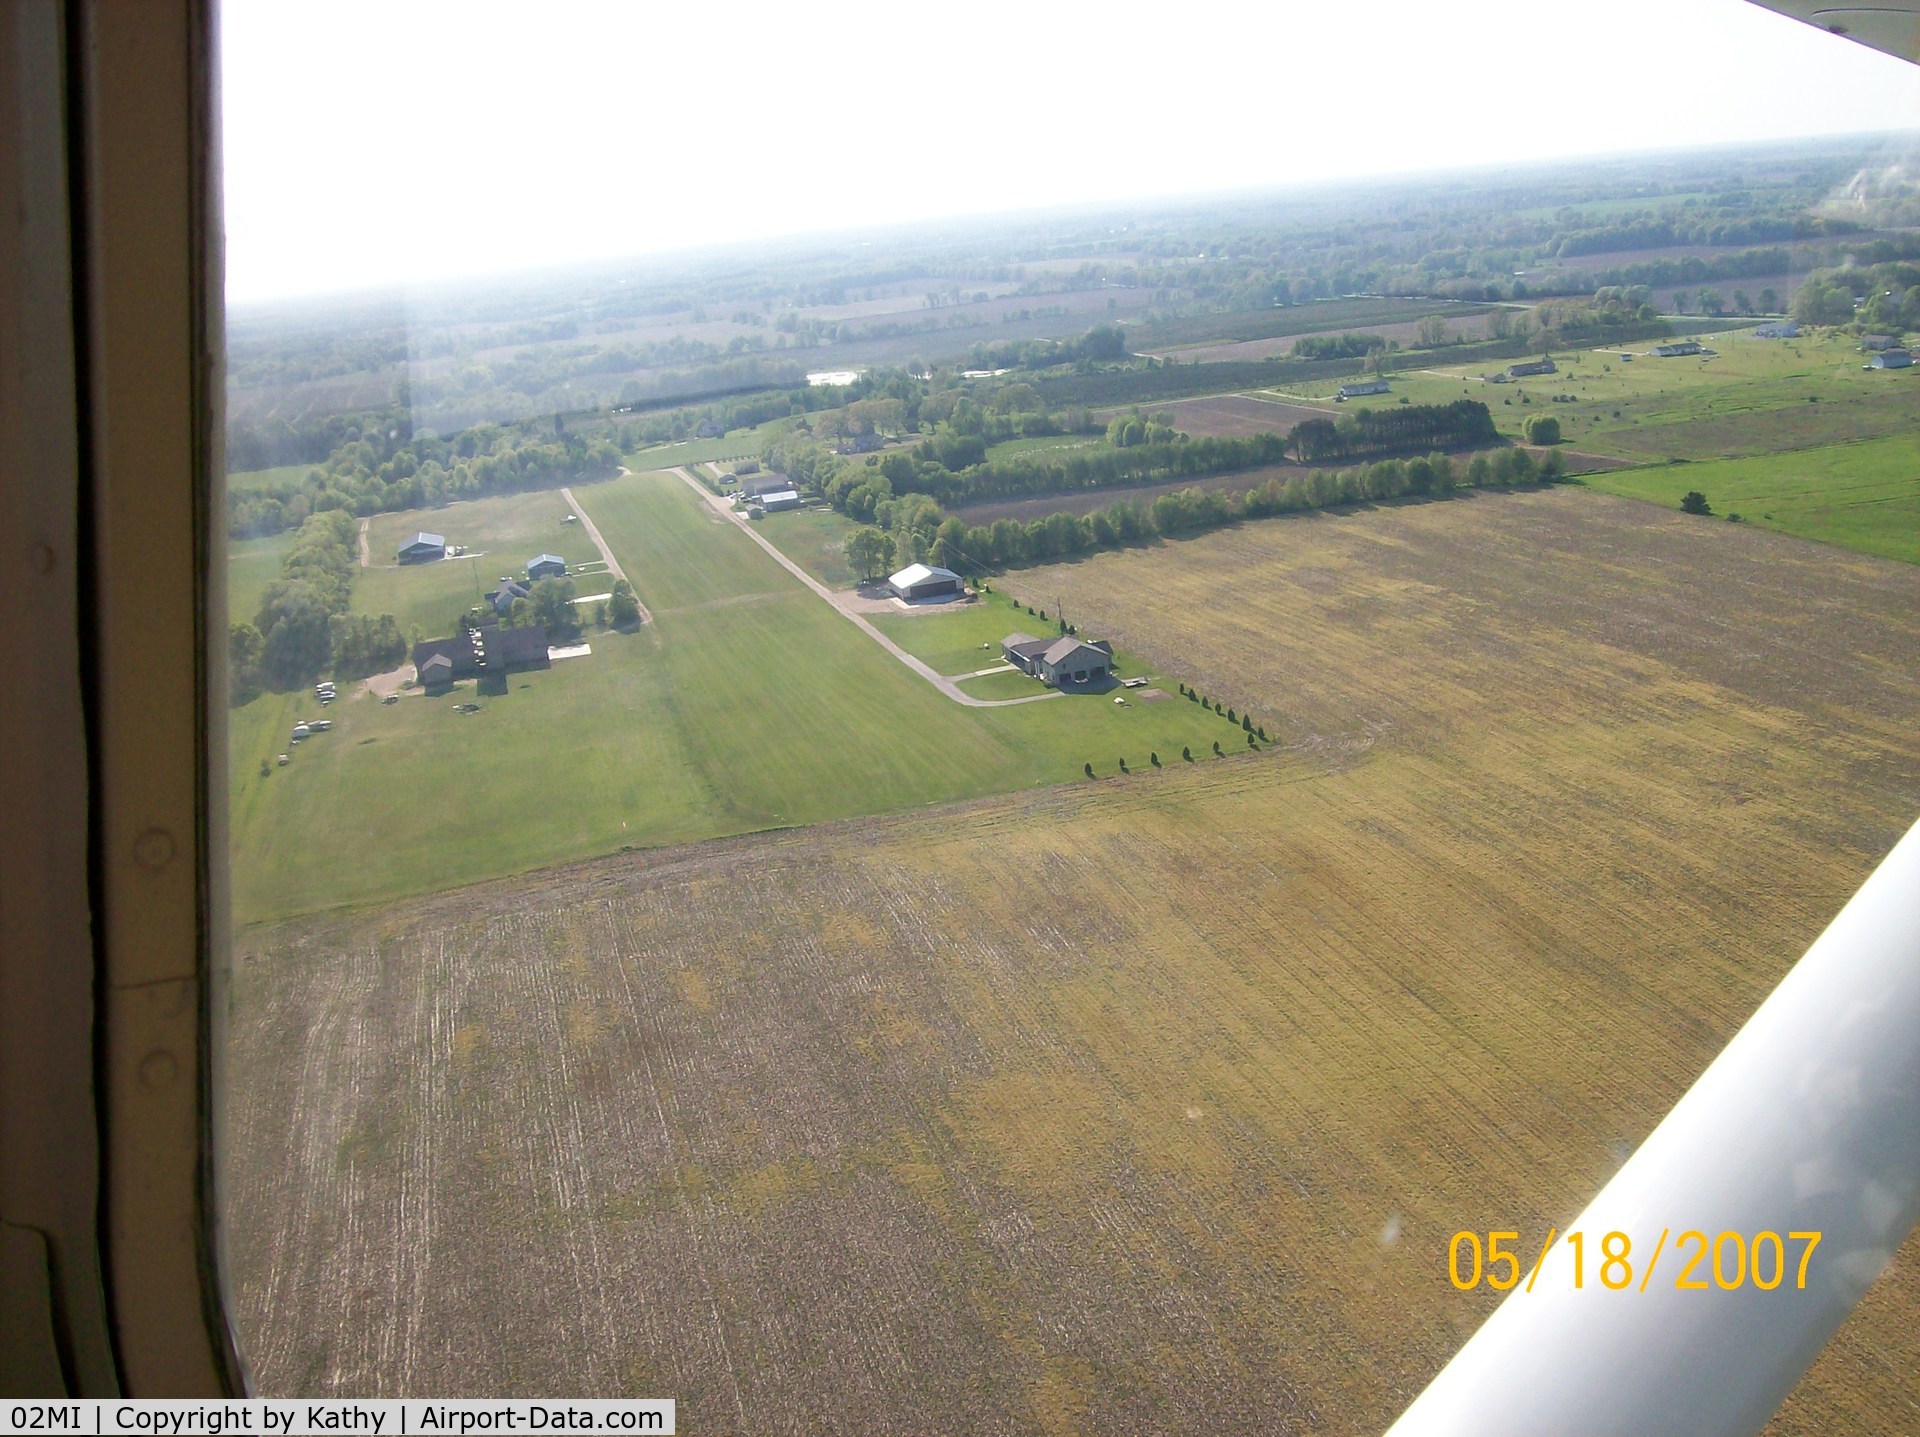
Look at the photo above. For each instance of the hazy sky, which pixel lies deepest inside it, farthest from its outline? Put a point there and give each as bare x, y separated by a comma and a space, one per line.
370, 142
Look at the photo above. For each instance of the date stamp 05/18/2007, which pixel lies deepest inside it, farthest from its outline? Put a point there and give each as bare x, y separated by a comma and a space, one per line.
1725, 1262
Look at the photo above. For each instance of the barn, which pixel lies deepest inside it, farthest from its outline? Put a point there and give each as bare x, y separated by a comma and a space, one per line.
1890, 359
422, 547
923, 581
1361, 388
1532, 367
780, 499
546, 566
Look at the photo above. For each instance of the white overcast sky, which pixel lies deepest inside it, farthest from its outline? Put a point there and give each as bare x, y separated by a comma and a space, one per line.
380, 142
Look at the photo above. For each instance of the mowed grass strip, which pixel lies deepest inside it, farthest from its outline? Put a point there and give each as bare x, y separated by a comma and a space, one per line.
1863, 496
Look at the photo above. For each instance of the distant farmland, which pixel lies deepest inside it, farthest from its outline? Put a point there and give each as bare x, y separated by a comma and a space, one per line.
1147, 1104
1233, 415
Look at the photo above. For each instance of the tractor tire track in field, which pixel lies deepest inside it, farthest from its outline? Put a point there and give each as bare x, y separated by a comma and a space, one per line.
940, 681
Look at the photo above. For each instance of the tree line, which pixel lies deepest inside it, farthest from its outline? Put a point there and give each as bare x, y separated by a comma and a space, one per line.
917, 530
302, 626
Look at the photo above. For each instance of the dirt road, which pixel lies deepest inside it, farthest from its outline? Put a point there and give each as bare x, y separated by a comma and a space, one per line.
940, 681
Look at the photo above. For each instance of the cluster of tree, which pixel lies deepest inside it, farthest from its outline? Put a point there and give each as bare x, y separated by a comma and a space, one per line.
1338, 346
302, 626
1396, 428
372, 474
623, 606
1103, 344
550, 604
1882, 297
1714, 229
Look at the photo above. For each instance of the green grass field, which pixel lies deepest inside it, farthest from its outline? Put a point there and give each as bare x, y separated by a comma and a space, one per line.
1863, 496
500, 533
728, 446
748, 704
252, 564
283, 477
815, 539
1756, 396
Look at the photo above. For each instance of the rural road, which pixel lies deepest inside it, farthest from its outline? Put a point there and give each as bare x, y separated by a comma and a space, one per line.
940, 681
593, 533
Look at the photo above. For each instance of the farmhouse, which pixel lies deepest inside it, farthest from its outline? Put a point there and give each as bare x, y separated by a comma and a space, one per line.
1674, 351
1531, 367
1890, 359
422, 547
546, 566
922, 581
1060, 662
1361, 387
502, 598
1783, 329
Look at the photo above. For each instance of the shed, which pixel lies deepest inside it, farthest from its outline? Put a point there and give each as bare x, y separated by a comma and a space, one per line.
923, 581
1874, 343
780, 499
1532, 367
422, 547
1675, 351
1785, 329
546, 566
1891, 359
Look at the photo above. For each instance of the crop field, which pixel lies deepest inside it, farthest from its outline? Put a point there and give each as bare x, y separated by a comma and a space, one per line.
1146, 1104
1322, 317
749, 703
1463, 323
500, 534
1234, 416
1863, 496
1756, 396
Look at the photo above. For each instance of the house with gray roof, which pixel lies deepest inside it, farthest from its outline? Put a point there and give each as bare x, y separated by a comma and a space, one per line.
502, 598
1061, 662
546, 566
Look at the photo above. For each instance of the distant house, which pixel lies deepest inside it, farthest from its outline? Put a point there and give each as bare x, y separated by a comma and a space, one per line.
710, 429
1362, 387
763, 484
923, 581
861, 444
1783, 329
1676, 350
1891, 359
1532, 367
1874, 343
546, 566
502, 598
423, 547
780, 499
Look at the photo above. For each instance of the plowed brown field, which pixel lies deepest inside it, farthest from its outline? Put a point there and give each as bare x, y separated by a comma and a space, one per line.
1148, 1104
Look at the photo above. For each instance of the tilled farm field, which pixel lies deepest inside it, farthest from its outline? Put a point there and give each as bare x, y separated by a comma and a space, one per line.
1146, 1104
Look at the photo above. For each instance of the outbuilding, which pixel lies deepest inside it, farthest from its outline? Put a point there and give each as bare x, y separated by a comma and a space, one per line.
502, 598
1676, 351
1532, 367
1361, 388
780, 499
422, 548
546, 566
923, 581
1891, 359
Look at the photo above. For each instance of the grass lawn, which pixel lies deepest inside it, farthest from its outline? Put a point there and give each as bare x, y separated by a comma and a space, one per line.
748, 704
1863, 496
815, 539
1041, 444
500, 534
1010, 685
252, 564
